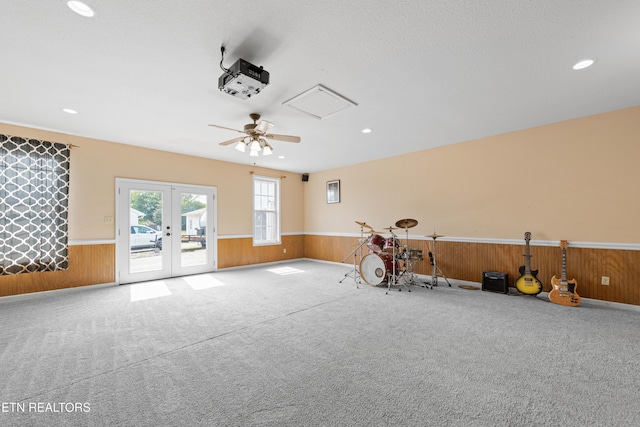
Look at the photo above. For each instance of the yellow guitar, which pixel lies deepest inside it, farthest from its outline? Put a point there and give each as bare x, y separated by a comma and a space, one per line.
527, 283
564, 291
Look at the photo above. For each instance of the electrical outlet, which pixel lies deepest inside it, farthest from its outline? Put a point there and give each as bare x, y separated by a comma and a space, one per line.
605, 280
284, 251
108, 220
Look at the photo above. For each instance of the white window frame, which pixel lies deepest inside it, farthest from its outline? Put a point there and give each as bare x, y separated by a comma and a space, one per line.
257, 240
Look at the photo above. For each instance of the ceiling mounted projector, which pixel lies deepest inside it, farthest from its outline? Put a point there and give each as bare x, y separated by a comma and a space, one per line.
243, 80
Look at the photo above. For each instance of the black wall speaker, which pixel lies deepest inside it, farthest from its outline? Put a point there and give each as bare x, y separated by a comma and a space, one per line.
305, 177
495, 282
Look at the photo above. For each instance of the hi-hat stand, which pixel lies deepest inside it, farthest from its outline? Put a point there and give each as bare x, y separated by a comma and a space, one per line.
357, 252
394, 277
436, 272
407, 272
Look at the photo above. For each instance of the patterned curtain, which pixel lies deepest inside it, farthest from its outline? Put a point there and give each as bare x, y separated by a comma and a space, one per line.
34, 195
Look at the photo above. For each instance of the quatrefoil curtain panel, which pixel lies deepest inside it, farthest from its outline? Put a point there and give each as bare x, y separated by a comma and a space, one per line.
34, 199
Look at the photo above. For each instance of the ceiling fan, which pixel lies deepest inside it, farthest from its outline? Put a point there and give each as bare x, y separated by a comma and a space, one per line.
256, 136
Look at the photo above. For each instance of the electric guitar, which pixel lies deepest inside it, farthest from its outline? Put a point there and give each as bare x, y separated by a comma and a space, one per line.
564, 291
527, 283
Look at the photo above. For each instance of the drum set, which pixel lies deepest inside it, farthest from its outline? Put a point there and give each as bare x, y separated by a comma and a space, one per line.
387, 260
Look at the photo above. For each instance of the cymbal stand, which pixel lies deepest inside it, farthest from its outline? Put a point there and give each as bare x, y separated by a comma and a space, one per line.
436, 270
408, 262
407, 273
395, 278
356, 254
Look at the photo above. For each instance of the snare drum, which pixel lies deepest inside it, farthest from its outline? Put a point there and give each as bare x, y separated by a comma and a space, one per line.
410, 254
375, 268
375, 242
391, 245
415, 254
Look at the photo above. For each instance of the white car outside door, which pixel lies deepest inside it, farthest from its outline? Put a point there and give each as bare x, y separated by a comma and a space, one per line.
143, 237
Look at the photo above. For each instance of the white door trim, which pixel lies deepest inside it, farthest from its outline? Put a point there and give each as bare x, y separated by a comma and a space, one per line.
172, 214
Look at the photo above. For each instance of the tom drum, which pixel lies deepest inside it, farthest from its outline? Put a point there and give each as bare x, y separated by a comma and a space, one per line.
391, 245
375, 242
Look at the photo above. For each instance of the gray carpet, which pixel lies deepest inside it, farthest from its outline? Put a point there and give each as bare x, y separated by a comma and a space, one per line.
253, 347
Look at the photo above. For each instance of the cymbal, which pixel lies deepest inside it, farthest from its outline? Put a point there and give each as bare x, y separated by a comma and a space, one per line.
435, 235
363, 224
406, 223
390, 228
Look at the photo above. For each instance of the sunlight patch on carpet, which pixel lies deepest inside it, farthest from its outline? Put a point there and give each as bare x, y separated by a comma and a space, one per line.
283, 271
149, 290
202, 281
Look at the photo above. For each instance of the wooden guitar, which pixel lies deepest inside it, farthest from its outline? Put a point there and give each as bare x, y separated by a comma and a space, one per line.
564, 291
527, 283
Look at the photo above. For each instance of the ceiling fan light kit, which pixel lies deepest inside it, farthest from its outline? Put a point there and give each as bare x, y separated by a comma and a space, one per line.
256, 137
255, 146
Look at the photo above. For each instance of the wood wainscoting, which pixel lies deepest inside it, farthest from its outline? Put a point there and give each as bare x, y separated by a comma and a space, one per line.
235, 252
96, 264
467, 261
88, 265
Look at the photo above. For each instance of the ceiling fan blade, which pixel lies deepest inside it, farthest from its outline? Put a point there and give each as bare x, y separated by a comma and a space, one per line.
285, 138
263, 127
231, 141
222, 127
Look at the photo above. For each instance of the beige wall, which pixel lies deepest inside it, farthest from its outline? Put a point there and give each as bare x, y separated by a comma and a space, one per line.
573, 180
96, 164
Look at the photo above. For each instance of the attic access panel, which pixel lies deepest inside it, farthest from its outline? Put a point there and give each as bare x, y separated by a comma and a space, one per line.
319, 102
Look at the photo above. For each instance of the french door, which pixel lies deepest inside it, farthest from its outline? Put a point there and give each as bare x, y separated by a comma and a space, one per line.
164, 230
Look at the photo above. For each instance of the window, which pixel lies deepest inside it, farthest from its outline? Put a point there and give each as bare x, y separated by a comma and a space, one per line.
266, 210
34, 195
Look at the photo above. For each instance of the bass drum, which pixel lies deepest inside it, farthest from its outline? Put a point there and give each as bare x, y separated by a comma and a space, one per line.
374, 268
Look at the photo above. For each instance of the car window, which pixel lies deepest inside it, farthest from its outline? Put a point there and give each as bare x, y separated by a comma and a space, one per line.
141, 229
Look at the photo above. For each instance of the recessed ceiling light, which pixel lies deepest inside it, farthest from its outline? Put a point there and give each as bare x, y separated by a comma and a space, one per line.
281, 157
366, 130
583, 64
81, 8
69, 110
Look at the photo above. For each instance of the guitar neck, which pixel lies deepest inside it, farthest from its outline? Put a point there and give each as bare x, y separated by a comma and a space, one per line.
527, 256
563, 276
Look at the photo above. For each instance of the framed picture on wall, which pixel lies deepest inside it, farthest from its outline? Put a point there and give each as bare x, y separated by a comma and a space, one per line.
333, 191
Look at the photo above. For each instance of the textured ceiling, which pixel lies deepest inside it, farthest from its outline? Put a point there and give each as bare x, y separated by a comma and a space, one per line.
422, 73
